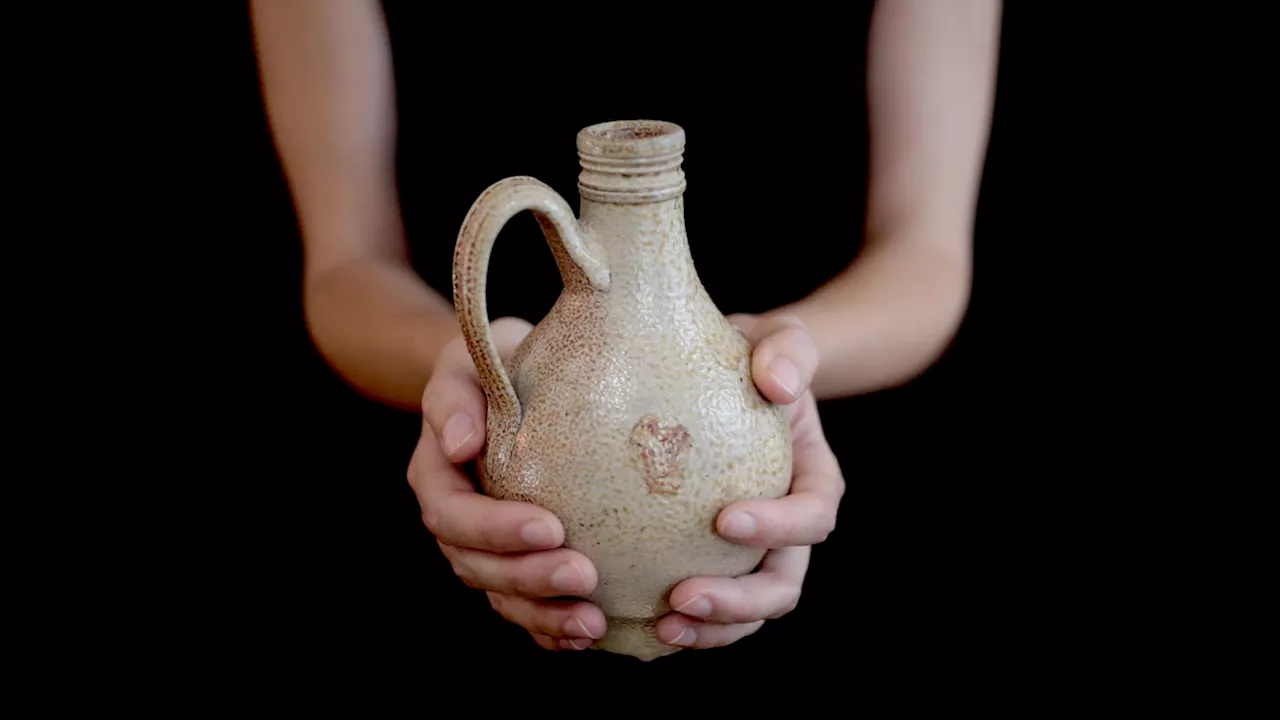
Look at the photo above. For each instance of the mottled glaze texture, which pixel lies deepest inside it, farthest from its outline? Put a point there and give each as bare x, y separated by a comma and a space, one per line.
629, 411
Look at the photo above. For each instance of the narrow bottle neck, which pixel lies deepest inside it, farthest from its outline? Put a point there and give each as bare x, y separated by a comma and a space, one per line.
632, 189
647, 249
631, 180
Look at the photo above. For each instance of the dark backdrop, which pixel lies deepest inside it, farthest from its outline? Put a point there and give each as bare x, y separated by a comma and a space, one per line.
1069, 494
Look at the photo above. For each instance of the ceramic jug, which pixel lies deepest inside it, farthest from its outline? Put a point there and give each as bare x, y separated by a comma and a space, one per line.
629, 411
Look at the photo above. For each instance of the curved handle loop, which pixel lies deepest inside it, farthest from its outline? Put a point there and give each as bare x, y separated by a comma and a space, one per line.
580, 267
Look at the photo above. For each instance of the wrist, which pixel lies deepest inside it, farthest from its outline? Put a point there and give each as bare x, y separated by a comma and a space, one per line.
885, 320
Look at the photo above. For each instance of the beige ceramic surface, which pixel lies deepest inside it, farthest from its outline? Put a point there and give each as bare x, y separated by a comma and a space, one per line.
629, 411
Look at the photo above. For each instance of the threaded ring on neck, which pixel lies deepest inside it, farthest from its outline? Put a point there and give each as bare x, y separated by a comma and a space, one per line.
631, 161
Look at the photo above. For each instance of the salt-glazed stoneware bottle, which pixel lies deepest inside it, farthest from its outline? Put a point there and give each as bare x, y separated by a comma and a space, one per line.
629, 411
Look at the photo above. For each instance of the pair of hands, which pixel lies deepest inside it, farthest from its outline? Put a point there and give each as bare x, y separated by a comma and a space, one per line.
514, 551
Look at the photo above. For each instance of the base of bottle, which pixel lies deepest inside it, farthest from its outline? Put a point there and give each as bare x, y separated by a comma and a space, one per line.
637, 638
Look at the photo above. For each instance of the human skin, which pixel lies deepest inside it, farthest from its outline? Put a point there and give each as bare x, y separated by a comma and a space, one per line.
326, 74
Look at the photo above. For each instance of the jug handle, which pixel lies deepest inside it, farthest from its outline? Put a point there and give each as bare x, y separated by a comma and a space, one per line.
581, 266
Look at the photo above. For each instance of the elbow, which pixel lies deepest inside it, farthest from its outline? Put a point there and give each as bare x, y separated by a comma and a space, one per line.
920, 353
933, 318
944, 325
941, 320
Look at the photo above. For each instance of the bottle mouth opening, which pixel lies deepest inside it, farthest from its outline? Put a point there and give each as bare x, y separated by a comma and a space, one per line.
631, 138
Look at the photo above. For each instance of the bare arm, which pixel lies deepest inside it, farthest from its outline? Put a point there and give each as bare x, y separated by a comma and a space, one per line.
931, 83
329, 93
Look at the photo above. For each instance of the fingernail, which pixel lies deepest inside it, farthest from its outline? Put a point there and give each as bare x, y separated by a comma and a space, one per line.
568, 578
740, 525
575, 644
457, 431
574, 626
537, 533
686, 638
696, 606
784, 372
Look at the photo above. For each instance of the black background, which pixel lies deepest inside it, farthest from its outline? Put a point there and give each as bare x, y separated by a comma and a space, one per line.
1072, 498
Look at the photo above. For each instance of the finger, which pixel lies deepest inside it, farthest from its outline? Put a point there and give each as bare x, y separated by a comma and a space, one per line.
549, 643
682, 632
453, 404
576, 643
549, 574
805, 516
459, 516
546, 642
556, 619
768, 594
784, 356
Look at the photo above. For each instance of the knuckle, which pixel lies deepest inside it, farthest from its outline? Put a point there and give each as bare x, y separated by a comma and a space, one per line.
490, 534
828, 524
528, 616
431, 402
539, 621
789, 320
824, 523
506, 609
838, 487
794, 337
544, 642
776, 325
734, 610
467, 577
515, 576
739, 609
431, 519
508, 580
424, 404
551, 621
523, 582
789, 605
464, 571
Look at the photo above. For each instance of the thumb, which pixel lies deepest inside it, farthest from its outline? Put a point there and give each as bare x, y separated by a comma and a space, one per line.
453, 405
784, 356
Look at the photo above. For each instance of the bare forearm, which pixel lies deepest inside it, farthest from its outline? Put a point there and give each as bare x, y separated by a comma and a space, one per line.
380, 327
329, 94
887, 319
328, 89
931, 83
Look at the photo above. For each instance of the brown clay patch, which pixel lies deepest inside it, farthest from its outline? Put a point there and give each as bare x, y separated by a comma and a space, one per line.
660, 447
